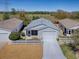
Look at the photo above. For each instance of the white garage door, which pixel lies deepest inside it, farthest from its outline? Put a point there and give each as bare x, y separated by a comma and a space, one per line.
51, 49
4, 37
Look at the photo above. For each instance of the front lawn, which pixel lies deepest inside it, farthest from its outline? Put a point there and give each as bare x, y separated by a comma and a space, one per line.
68, 52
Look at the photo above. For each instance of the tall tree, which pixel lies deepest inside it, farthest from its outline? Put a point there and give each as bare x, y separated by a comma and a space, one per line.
13, 11
22, 16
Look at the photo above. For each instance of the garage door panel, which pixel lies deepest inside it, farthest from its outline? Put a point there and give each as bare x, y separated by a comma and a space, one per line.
47, 35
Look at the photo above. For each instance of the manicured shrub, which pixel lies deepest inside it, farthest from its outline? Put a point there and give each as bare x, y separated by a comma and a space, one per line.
14, 36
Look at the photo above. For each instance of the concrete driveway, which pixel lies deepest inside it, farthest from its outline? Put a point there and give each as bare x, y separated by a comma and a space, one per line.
51, 48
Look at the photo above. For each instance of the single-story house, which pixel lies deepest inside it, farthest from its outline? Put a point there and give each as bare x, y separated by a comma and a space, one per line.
68, 26
8, 26
39, 26
46, 31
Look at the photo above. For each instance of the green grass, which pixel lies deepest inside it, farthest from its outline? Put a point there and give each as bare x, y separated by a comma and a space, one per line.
1, 16
68, 52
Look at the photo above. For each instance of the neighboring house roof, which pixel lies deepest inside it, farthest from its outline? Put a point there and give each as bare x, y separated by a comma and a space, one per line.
10, 24
41, 24
69, 23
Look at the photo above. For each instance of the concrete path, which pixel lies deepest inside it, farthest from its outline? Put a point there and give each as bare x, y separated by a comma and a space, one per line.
51, 48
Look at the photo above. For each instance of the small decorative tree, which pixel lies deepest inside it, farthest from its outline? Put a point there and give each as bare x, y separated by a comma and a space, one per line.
14, 36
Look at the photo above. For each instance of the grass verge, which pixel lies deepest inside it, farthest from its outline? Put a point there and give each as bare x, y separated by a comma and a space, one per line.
68, 52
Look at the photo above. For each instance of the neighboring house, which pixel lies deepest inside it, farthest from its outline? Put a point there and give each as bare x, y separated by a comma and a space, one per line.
68, 26
8, 26
38, 27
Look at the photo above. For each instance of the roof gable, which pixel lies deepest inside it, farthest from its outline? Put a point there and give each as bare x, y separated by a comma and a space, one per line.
41, 22
69, 23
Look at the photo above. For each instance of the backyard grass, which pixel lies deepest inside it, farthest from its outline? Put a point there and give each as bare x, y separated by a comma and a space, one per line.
23, 51
47, 16
68, 52
29, 16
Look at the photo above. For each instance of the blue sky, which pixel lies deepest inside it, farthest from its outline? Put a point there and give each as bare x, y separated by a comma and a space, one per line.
42, 5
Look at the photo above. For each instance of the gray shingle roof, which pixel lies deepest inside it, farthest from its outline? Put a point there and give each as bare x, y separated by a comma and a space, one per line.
9, 24
41, 21
69, 23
